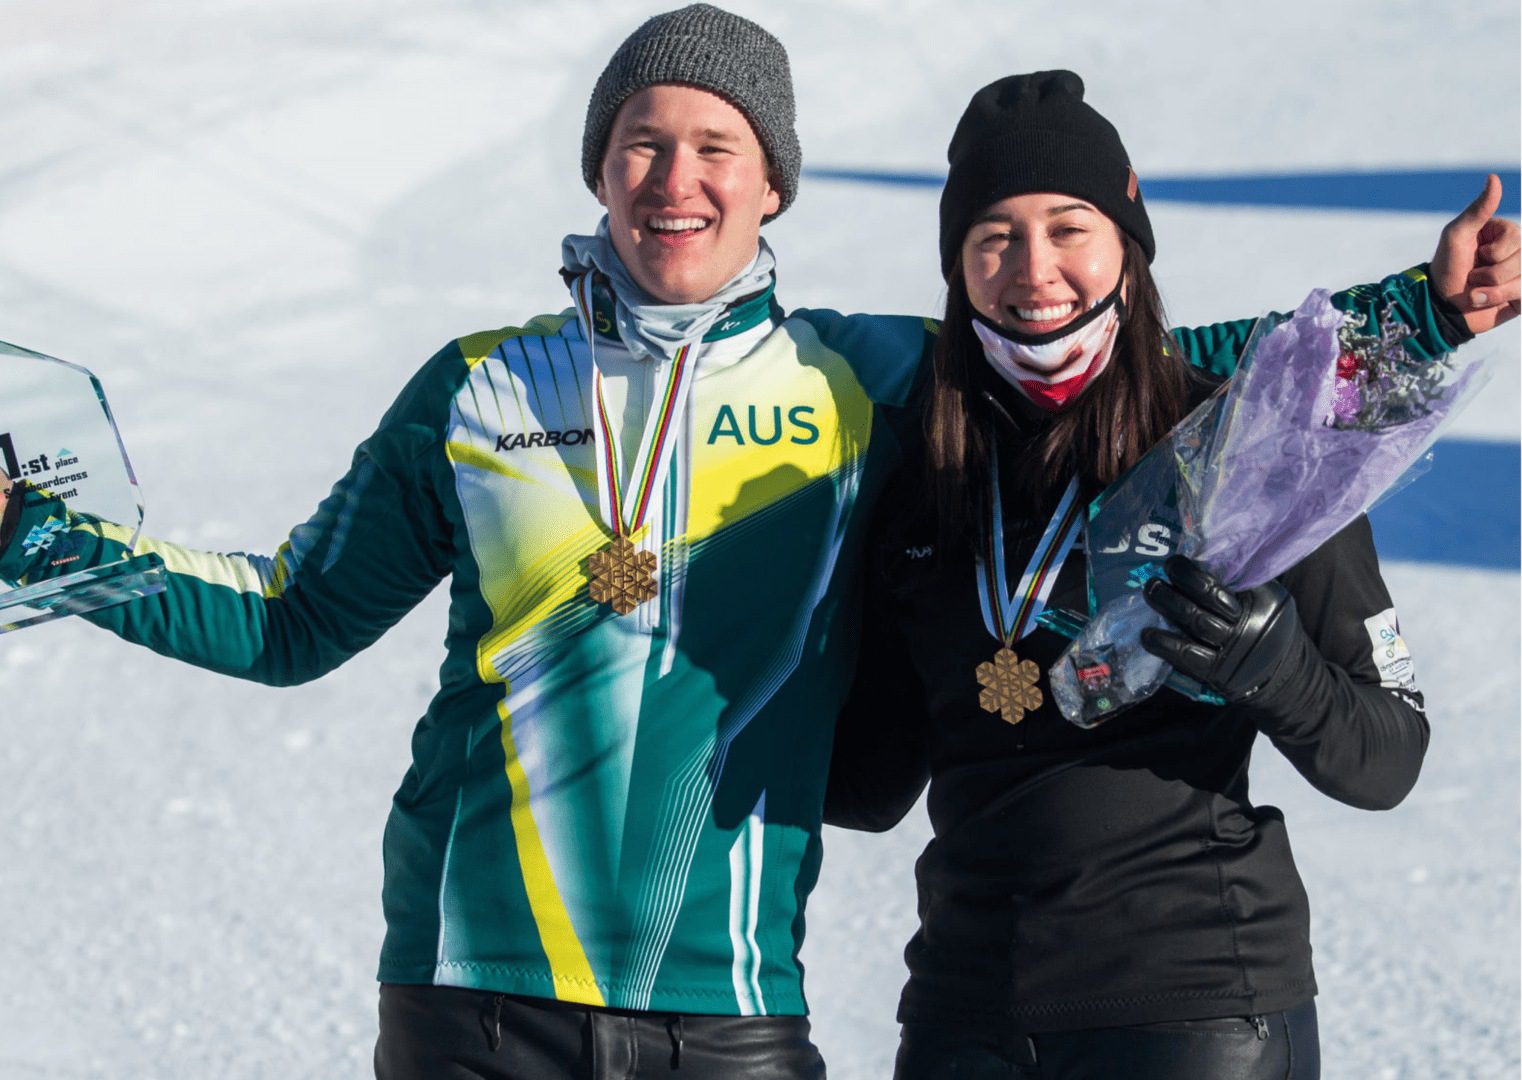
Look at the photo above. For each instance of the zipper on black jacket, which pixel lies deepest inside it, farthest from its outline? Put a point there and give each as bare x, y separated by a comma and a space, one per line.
1262, 1026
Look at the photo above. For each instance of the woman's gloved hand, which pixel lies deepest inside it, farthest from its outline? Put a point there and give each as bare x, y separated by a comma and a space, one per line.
1233, 642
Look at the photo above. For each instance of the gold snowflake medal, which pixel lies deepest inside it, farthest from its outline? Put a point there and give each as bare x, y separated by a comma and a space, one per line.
1009, 685
623, 577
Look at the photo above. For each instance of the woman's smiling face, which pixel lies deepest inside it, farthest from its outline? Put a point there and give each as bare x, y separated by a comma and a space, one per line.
1034, 263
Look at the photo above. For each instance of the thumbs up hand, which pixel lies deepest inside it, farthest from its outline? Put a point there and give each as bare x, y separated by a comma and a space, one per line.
1477, 267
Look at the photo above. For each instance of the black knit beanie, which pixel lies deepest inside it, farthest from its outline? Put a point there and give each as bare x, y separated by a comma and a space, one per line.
1033, 133
703, 46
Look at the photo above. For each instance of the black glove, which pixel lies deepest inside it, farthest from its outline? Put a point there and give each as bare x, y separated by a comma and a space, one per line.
1232, 642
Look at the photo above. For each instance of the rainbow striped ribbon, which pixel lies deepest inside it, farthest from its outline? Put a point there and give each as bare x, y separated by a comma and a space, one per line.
1009, 616
623, 510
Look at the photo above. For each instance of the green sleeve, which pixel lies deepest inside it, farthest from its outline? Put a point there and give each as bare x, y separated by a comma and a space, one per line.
1438, 328
373, 549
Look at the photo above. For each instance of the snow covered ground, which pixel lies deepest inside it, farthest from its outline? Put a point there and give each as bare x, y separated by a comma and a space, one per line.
254, 218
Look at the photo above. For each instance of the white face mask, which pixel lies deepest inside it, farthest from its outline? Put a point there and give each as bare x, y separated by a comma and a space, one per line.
1053, 369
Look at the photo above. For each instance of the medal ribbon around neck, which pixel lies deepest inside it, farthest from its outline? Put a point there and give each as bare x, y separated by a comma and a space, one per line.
624, 511
1009, 616
1010, 686
621, 576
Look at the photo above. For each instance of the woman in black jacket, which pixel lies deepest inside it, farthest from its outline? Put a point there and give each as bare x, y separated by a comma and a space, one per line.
1099, 903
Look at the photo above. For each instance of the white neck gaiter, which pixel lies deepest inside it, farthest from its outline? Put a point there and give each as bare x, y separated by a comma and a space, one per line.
1053, 369
651, 327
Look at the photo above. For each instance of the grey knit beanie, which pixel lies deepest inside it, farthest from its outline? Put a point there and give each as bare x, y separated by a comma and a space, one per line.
703, 46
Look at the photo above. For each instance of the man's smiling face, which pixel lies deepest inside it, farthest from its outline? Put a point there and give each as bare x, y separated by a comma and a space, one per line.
687, 185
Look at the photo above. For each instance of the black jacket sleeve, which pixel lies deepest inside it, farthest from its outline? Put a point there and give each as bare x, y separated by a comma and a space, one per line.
1344, 708
880, 762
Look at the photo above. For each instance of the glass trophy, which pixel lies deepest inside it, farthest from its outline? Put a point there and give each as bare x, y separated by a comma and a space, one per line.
57, 434
1133, 525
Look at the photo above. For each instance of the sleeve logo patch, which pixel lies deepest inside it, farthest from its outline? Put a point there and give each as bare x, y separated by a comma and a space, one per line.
41, 537
1389, 651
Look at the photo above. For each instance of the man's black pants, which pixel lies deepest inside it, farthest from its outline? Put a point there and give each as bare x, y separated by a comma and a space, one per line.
446, 1033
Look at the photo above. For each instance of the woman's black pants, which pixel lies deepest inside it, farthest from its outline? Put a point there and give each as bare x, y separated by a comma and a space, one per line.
446, 1033
1279, 1046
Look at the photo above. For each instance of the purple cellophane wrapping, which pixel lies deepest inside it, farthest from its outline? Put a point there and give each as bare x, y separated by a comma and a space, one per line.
1281, 480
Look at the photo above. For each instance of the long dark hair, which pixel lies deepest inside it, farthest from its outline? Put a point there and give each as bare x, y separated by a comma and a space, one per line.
1143, 392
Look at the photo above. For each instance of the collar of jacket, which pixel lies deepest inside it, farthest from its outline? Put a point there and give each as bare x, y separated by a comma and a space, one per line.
1010, 408
742, 315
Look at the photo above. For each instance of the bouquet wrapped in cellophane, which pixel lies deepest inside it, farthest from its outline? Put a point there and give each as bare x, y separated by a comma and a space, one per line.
1324, 416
